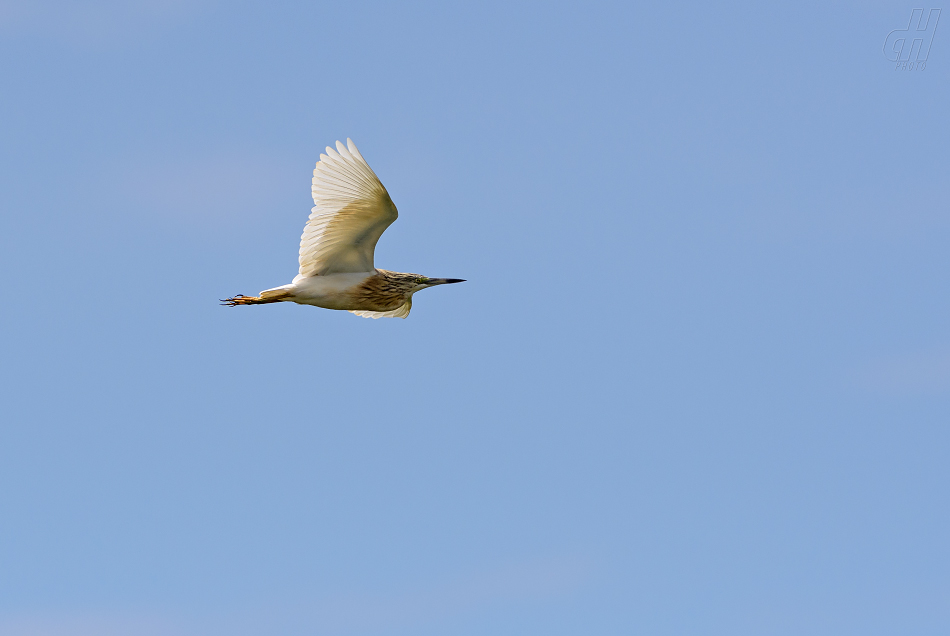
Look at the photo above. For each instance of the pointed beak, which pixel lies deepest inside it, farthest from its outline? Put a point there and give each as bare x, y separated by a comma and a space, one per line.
444, 281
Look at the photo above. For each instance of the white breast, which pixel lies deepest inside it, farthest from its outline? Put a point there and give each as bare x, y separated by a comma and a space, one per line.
330, 291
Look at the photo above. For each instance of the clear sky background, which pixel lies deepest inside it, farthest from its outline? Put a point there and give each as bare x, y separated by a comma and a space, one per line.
697, 382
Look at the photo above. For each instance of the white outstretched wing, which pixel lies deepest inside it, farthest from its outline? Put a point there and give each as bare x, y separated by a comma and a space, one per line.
351, 211
399, 312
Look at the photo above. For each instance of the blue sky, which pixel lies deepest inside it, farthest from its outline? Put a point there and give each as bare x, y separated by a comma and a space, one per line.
697, 381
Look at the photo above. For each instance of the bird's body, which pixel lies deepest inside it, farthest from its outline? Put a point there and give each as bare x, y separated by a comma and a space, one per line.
352, 211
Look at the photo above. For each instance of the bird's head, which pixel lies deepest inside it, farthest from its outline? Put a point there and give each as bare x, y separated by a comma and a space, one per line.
422, 282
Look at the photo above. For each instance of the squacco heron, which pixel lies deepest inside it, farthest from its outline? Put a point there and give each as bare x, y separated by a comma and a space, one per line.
351, 211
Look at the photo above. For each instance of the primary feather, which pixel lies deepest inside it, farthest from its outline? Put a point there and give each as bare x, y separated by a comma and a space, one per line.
351, 211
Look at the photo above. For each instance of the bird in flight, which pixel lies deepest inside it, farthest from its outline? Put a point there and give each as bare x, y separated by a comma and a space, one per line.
351, 211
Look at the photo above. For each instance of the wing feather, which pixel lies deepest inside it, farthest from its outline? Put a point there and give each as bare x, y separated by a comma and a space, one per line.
351, 211
399, 312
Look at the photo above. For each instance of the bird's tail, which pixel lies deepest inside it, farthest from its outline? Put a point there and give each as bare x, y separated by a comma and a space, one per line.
276, 295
